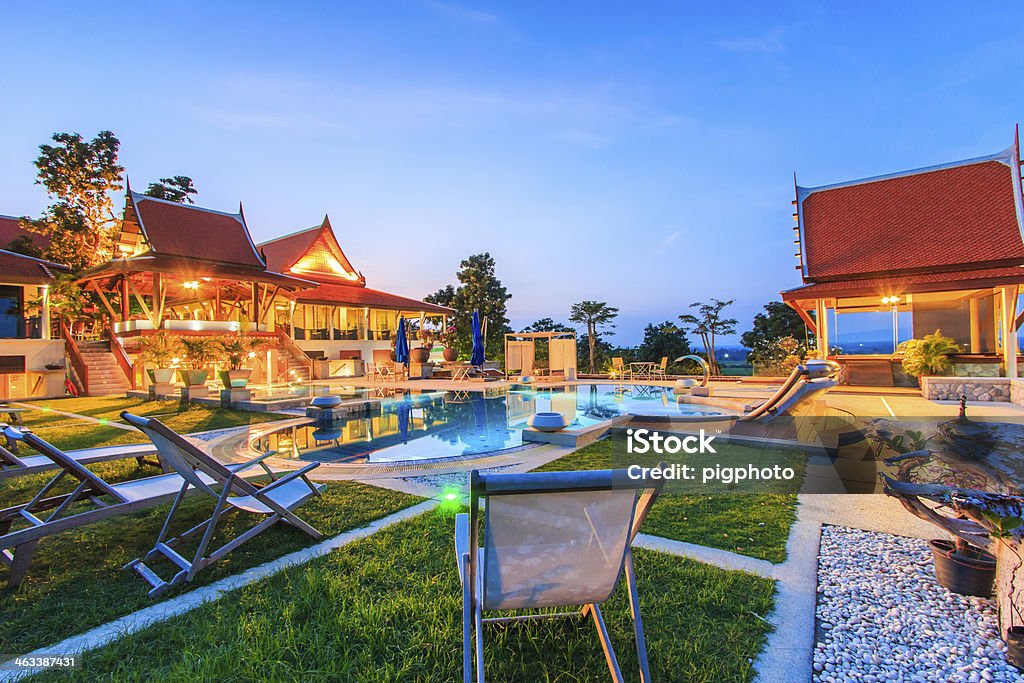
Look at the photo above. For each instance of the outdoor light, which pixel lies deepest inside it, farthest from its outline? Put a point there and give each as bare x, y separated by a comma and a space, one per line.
252, 354
890, 299
191, 284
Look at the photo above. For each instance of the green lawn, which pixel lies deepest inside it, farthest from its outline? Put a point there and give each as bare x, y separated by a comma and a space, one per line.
754, 524
388, 608
76, 582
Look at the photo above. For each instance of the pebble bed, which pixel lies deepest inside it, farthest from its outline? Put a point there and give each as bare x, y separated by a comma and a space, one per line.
454, 479
882, 616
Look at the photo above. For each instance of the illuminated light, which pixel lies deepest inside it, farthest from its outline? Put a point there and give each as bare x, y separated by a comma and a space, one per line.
46, 410
890, 299
103, 420
124, 249
175, 361
252, 354
450, 497
191, 284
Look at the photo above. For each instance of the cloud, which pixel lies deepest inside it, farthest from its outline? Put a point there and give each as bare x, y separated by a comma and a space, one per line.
767, 42
669, 239
463, 14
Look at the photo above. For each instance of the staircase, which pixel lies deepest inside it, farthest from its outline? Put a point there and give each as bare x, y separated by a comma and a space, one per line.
105, 376
298, 370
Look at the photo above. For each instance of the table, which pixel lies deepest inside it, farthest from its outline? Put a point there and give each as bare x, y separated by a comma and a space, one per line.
642, 370
13, 414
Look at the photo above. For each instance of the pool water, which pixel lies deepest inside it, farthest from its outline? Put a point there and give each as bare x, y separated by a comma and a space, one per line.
440, 424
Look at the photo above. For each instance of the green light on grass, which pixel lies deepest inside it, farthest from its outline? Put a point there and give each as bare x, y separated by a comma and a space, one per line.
103, 420
450, 498
45, 409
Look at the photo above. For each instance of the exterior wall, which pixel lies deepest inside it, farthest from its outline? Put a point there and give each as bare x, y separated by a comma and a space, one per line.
977, 369
331, 348
37, 381
976, 388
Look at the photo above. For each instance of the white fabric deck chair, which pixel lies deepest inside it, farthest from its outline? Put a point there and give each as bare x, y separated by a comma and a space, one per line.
277, 501
92, 500
551, 539
13, 465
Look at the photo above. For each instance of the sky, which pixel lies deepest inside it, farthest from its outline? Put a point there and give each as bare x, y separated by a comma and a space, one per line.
641, 155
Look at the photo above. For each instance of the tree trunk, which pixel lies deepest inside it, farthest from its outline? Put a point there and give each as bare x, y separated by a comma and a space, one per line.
590, 341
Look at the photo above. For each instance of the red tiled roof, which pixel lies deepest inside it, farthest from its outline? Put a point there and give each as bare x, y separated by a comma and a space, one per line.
909, 283
355, 295
10, 229
25, 270
284, 253
174, 229
957, 216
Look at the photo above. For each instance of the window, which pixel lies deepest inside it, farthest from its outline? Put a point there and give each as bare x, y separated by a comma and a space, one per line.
11, 322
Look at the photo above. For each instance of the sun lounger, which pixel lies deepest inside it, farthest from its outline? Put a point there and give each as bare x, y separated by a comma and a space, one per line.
92, 500
276, 501
12, 465
553, 539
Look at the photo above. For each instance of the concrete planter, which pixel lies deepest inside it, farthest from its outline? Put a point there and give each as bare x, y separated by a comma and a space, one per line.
193, 378
235, 379
548, 422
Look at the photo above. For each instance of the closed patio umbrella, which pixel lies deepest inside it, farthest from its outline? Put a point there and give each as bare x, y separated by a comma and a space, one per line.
401, 344
477, 358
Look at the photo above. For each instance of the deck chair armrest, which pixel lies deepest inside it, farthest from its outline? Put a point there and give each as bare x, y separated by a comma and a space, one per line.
291, 476
258, 460
461, 543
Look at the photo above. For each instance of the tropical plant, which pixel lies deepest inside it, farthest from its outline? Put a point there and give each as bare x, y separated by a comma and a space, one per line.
594, 315
161, 349
200, 352
479, 290
664, 340
176, 189
708, 323
235, 349
928, 356
67, 300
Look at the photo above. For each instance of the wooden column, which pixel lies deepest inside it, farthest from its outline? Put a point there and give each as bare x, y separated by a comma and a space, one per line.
255, 295
975, 307
291, 319
125, 305
1008, 304
44, 320
821, 313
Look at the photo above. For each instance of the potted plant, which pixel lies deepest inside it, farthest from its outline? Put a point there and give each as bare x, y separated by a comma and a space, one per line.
962, 568
928, 356
200, 353
235, 350
161, 350
421, 354
448, 339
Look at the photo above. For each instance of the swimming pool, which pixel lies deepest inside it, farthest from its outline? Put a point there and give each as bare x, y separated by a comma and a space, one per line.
440, 424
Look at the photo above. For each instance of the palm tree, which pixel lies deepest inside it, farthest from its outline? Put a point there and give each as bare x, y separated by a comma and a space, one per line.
708, 323
595, 315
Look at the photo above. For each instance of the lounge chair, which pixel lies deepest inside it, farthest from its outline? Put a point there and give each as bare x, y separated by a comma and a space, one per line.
553, 539
12, 465
92, 500
277, 501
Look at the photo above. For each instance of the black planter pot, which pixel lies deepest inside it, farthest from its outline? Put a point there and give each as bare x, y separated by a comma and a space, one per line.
1015, 646
968, 573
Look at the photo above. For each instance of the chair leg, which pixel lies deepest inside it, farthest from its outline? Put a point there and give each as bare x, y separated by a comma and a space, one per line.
20, 559
606, 644
638, 624
467, 625
479, 618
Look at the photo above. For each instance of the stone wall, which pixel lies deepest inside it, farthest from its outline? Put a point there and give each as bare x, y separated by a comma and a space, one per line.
977, 369
976, 388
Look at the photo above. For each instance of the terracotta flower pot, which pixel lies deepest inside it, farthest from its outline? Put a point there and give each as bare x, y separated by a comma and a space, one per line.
420, 354
967, 573
235, 379
1015, 646
193, 378
450, 355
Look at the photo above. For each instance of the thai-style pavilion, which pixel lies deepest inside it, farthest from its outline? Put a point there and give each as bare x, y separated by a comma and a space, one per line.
944, 244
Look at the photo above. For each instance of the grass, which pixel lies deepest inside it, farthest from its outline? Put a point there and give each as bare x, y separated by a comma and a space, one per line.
76, 582
388, 608
753, 524
71, 433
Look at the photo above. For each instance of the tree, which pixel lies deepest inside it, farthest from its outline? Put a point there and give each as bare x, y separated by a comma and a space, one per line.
79, 177
479, 290
542, 350
663, 339
708, 323
23, 244
176, 189
777, 321
594, 315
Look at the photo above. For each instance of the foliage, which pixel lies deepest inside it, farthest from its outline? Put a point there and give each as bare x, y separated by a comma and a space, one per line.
161, 349
200, 352
479, 290
176, 189
778, 321
928, 356
708, 323
79, 177
66, 298
235, 349
595, 316
661, 340
23, 244
546, 325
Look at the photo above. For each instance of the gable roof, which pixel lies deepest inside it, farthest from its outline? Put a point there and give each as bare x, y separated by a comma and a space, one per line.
958, 216
319, 245
21, 269
172, 229
10, 230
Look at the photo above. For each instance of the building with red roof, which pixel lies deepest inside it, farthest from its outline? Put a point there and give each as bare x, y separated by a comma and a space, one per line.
942, 246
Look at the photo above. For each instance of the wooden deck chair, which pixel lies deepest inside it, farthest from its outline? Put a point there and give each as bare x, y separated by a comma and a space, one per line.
277, 501
659, 370
619, 371
551, 539
92, 500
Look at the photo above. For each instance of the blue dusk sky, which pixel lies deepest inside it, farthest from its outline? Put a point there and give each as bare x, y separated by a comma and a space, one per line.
636, 153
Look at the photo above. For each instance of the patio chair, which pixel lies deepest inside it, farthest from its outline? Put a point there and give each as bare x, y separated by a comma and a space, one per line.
92, 500
659, 370
618, 368
552, 539
12, 465
277, 501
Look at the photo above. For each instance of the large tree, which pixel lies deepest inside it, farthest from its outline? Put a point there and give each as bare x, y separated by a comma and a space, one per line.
480, 290
661, 340
79, 176
776, 322
708, 323
175, 189
595, 316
